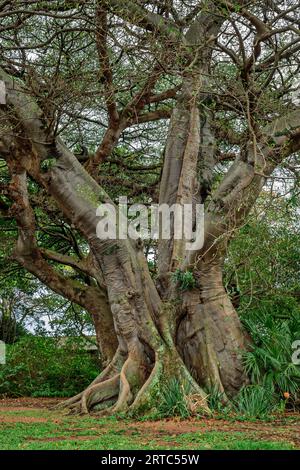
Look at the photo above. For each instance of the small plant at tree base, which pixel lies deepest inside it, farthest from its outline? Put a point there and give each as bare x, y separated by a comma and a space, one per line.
216, 399
174, 401
255, 401
185, 279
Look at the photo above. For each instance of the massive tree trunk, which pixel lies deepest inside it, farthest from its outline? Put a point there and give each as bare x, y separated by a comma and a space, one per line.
147, 357
151, 329
209, 334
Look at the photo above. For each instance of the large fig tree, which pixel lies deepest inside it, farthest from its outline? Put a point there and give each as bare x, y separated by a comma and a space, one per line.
203, 94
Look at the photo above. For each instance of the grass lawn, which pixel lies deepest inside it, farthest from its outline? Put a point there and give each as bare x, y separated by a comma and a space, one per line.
35, 428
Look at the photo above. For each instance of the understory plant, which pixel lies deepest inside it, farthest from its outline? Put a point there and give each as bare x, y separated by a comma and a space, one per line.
41, 367
255, 401
185, 279
269, 361
174, 401
216, 399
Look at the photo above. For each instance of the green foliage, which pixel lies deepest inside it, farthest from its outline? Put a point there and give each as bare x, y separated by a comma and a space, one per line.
47, 164
263, 260
185, 279
215, 399
173, 400
255, 401
36, 366
269, 362
262, 276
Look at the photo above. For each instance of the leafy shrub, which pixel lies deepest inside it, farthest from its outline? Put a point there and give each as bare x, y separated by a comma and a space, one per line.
36, 366
255, 401
174, 400
185, 279
269, 362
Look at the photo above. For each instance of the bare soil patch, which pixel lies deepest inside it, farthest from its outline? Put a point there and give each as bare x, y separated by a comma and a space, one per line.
23, 403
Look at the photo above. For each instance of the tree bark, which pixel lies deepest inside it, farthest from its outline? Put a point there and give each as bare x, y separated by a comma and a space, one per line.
27, 254
150, 357
210, 337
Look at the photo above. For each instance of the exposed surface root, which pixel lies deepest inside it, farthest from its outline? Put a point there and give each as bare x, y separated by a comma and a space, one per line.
167, 367
112, 370
99, 392
122, 387
130, 390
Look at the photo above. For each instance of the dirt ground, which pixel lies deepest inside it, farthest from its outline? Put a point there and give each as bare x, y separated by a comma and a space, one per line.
23, 403
285, 428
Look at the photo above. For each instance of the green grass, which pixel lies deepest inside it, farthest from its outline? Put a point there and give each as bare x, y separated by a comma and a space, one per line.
216, 440
60, 432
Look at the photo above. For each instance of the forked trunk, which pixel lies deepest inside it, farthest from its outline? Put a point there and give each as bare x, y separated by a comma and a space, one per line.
147, 357
145, 323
